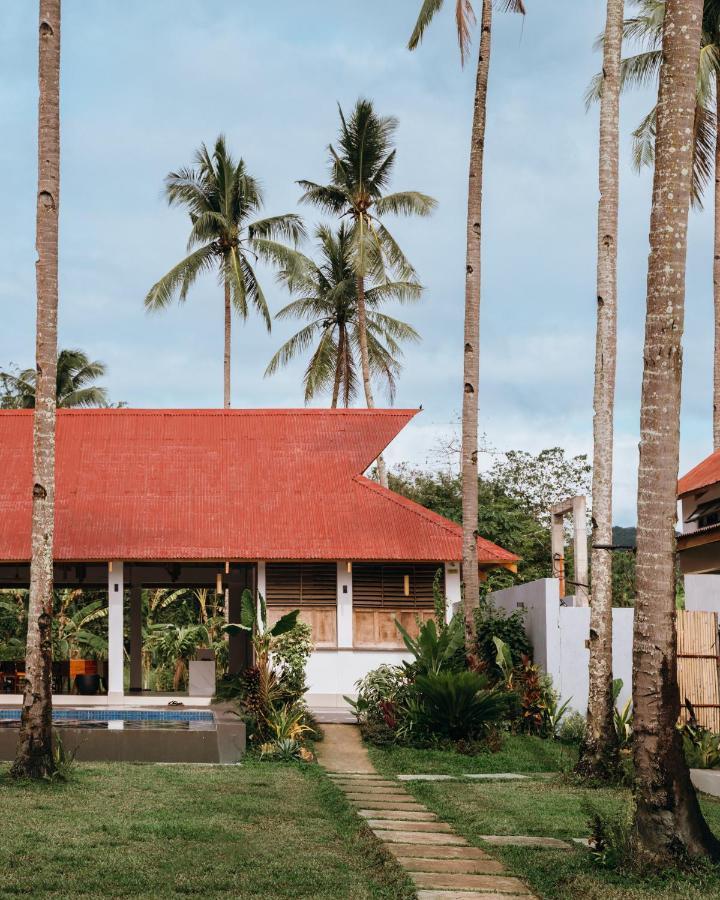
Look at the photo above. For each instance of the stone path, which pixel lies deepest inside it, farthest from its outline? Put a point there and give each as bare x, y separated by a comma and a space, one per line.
442, 864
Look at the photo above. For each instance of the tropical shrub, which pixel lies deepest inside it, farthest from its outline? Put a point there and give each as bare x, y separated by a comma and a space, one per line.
572, 728
701, 746
381, 703
492, 623
456, 705
622, 718
290, 652
437, 647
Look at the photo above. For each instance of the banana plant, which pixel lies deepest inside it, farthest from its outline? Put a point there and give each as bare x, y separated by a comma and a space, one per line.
435, 646
253, 619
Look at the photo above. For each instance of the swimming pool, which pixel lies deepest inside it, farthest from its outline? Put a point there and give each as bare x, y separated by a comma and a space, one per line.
121, 719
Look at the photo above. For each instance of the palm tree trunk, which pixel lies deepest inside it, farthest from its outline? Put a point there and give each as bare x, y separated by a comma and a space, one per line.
338, 366
716, 277
34, 758
471, 367
599, 754
365, 365
668, 821
228, 336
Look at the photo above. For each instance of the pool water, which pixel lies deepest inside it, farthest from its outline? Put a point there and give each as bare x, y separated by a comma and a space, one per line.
121, 719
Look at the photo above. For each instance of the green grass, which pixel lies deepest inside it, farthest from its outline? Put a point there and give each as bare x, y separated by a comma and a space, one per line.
551, 808
261, 830
519, 753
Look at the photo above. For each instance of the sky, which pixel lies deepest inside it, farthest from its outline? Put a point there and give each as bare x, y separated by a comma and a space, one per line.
143, 84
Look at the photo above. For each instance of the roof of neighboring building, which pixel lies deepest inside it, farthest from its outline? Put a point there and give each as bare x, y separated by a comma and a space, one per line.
221, 484
704, 474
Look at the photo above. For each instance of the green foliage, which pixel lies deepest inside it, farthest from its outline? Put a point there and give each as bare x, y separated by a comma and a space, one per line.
63, 759
572, 728
221, 198
701, 746
457, 705
622, 718
436, 646
491, 624
76, 375
514, 497
610, 837
382, 697
504, 660
291, 651
326, 298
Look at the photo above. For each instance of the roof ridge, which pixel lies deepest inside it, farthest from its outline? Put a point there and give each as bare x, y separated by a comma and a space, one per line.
217, 411
423, 513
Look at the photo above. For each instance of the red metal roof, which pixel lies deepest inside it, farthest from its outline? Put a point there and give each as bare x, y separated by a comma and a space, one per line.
704, 474
221, 484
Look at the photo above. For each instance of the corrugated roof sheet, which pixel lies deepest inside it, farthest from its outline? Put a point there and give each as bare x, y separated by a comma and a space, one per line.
220, 484
704, 474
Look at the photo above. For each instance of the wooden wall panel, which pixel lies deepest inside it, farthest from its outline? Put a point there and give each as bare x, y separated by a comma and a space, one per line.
375, 629
322, 620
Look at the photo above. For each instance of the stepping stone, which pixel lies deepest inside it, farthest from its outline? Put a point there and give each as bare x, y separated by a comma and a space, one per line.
583, 842
365, 776
355, 784
501, 884
418, 837
427, 778
500, 776
404, 815
516, 840
470, 895
380, 793
462, 866
397, 807
423, 851
371, 800
431, 827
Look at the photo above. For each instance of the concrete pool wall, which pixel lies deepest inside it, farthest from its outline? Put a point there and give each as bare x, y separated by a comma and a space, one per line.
223, 744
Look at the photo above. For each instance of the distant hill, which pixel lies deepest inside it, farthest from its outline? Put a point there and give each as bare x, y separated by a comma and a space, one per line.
625, 537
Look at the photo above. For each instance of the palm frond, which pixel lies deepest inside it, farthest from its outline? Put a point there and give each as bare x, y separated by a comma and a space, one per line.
329, 198
427, 13
289, 226
401, 291
405, 203
296, 345
180, 278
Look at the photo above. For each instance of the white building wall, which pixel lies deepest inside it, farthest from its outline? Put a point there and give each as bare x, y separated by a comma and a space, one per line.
702, 592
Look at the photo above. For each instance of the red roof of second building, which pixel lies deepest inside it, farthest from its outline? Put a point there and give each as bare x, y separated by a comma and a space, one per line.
704, 474
221, 484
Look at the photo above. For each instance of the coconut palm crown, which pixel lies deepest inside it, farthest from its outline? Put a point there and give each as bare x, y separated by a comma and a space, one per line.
642, 69
222, 198
76, 375
465, 20
326, 297
361, 168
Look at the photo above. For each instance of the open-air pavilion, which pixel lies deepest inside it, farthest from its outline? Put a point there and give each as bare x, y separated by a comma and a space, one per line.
271, 500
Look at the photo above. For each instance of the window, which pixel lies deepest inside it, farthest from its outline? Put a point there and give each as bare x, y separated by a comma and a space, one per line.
706, 514
301, 584
393, 585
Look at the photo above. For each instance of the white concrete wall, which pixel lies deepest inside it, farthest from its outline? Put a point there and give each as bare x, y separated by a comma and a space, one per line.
332, 673
559, 634
702, 592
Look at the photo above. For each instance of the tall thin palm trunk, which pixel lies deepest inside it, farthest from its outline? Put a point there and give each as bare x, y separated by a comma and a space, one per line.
599, 756
228, 345
716, 277
339, 364
34, 758
471, 345
365, 366
668, 820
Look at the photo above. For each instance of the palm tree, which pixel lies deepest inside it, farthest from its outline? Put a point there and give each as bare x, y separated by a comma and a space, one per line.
360, 173
465, 19
599, 753
74, 383
668, 821
327, 299
34, 757
640, 70
220, 197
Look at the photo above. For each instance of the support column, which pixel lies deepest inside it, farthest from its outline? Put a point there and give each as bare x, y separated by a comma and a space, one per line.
261, 583
344, 606
136, 637
453, 591
115, 629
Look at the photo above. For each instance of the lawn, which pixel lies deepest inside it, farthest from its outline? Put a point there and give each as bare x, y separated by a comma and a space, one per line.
519, 753
259, 830
550, 808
